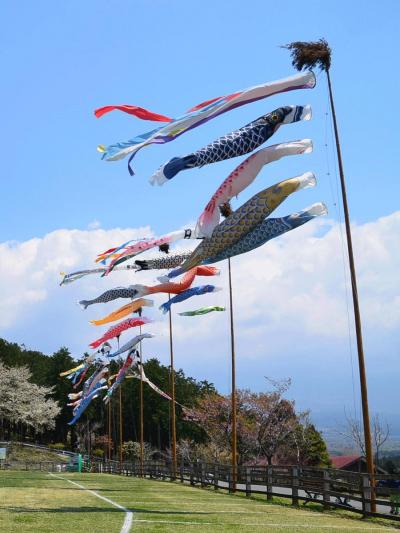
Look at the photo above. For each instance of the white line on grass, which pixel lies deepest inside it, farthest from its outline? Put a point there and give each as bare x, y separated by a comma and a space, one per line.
305, 526
126, 526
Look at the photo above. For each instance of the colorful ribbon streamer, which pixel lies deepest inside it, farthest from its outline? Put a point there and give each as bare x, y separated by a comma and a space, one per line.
203, 113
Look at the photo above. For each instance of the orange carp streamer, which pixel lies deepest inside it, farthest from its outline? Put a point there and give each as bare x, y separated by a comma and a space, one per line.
123, 311
186, 282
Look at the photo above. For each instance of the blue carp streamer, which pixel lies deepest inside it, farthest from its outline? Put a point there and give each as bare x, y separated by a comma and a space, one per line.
239, 142
244, 220
269, 229
181, 297
86, 401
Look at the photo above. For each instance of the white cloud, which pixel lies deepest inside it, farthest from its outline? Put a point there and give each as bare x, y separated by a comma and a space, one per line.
95, 224
289, 300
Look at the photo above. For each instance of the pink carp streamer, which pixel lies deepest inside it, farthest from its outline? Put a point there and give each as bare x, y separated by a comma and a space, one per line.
125, 252
115, 331
240, 178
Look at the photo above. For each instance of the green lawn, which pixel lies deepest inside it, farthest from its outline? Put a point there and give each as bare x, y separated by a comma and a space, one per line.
17, 453
38, 502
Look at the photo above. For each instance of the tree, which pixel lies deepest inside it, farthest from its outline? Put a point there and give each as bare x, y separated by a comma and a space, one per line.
131, 450
268, 428
380, 434
23, 402
305, 445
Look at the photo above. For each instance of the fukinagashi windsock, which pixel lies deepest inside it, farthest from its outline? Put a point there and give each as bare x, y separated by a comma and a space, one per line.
270, 229
131, 360
197, 115
242, 176
244, 219
234, 144
115, 331
139, 374
128, 309
181, 297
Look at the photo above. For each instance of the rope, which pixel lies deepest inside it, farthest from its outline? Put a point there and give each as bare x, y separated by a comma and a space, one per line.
338, 209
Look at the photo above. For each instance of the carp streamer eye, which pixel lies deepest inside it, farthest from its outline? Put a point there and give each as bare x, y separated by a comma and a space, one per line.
274, 116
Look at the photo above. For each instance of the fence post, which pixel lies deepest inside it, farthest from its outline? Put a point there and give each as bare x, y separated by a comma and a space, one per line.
366, 494
203, 475
191, 474
216, 476
269, 483
295, 486
230, 480
248, 481
326, 490
181, 469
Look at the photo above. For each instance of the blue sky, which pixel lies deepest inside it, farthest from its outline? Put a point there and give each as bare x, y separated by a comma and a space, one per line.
62, 60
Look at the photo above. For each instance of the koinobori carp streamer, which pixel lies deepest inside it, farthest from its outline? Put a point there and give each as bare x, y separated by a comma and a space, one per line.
110, 295
202, 311
241, 177
162, 263
74, 276
181, 297
137, 291
115, 331
123, 311
176, 288
244, 219
239, 142
139, 247
201, 114
131, 344
269, 229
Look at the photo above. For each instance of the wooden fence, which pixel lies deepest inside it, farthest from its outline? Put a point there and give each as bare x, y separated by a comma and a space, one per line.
329, 487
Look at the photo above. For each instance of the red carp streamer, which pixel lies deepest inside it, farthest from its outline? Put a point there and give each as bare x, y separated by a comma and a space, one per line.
115, 331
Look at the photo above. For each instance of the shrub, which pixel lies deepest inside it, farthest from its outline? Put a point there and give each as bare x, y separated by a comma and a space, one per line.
98, 452
57, 446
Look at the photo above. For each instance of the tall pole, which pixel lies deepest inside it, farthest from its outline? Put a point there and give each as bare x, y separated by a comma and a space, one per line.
233, 376
173, 419
357, 317
109, 431
141, 410
120, 425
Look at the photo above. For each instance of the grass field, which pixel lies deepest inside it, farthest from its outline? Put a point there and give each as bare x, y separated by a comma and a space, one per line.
32, 455
41, 503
